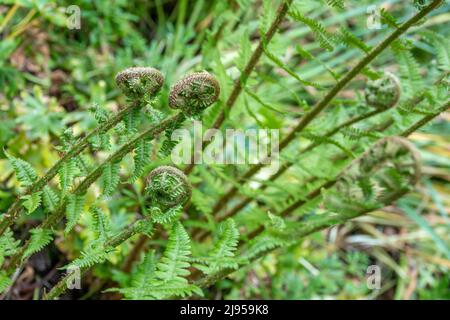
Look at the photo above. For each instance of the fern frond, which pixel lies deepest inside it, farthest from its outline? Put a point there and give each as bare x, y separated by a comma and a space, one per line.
132, 120
174, 264
262, 243
100, 222
100, 113
82, 164
325, 39
5, 281
160, 291
222, 255
8, 245
50, 199
74, 208
201, 202
262, 103
442, 47
141, 158
38, 240
145, 271
327, 140
24, 171
166, 279
66, 174
409, 71
283, 66
350, 40
95, 255
32, 201
353, 133
110, 177
168, 144
388, 19
166, 217
336, 3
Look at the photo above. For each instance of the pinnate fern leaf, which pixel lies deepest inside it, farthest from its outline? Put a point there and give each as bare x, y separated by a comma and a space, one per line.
38, 240
5, 281
32, 201
66, 175
141, 158
110, 177
325, 39
24, 171
222, 255
75, 205
50, 199
101, 223
174, 264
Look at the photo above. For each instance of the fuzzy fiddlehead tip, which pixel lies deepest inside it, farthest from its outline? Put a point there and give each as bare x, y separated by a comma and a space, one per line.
194, 93
168, 187
383, 93
139, 82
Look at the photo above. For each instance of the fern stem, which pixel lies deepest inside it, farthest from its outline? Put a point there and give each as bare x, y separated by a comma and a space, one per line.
244, 202
316, 192
305, 230
15, 209
238, 83
113, 242
325, 101
56, 216
413, 101
426, 119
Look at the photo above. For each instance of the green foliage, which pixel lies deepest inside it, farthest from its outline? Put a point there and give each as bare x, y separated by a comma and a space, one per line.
167, 216
50, 199
24, 171
141, 158
39, 238
32, 201
325, 39
93, 255
101, 223
75, 206
67, 173
174, 264
296, 75
166, 278
222, 255
8, 245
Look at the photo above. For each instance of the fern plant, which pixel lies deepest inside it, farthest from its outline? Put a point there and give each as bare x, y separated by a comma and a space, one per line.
165, 232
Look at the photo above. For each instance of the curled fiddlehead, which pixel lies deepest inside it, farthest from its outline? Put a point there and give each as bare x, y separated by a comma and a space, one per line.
139, 82
194, 93
168, 187
383, 93
390, 166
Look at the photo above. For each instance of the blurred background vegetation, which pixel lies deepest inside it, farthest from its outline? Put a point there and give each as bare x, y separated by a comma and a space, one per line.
50, 75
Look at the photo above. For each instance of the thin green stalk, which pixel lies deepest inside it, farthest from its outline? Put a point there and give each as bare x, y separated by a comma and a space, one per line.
316, 192
237, 87
201, 235
426, 119
242, 204
18, 260
305, 230
325, 101
15, 209
113, 242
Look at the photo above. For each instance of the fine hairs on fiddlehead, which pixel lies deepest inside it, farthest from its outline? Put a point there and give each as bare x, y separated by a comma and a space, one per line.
168, 187
194, 93
138, 82
383, 93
